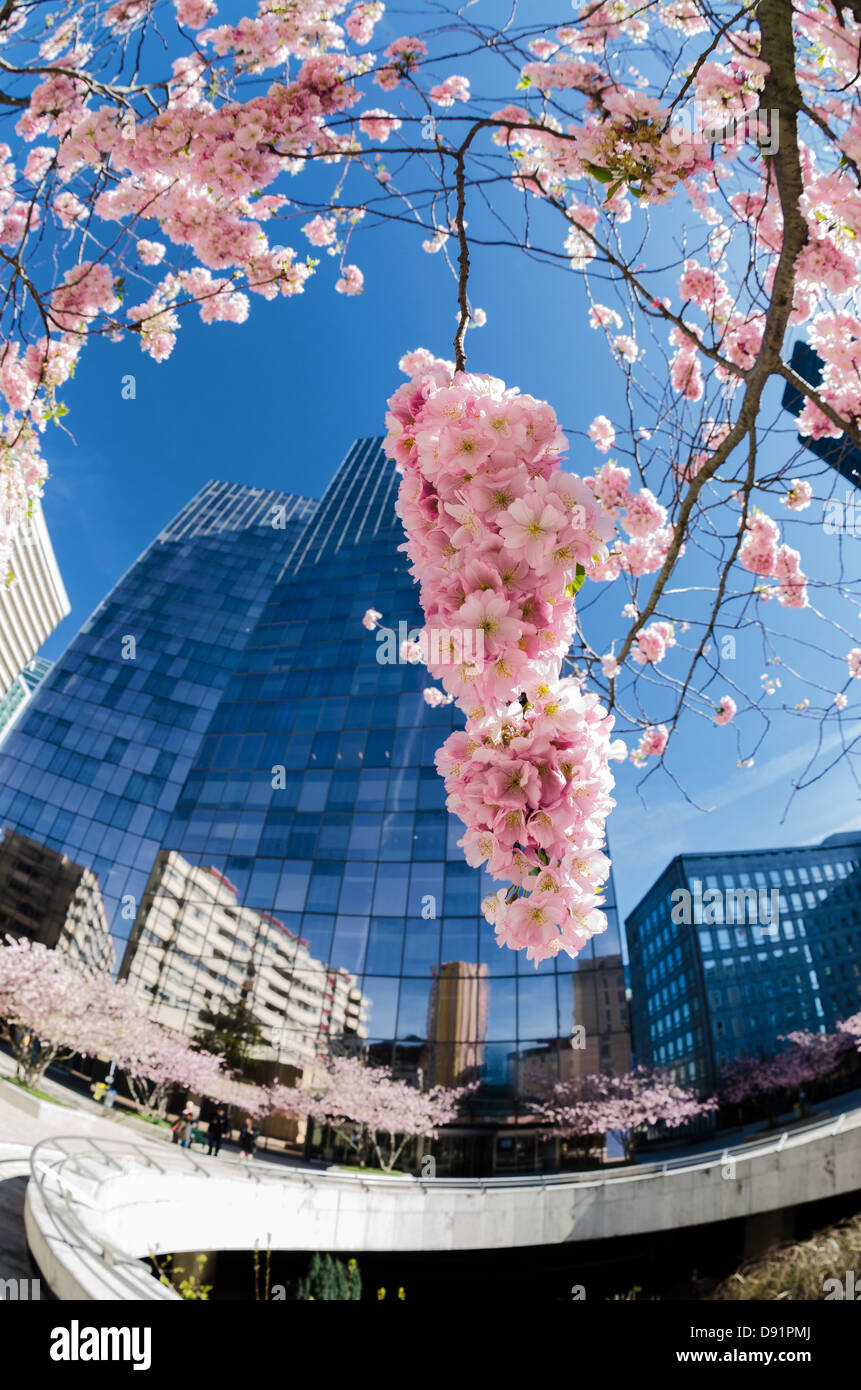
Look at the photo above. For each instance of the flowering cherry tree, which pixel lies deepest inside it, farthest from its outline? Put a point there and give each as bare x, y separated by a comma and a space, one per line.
47, 1009
373, 1112
157, 1059
805, 1059
696, 168
594, 1105
852, 1028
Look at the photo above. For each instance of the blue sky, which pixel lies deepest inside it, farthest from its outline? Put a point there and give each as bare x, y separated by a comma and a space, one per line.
276, 402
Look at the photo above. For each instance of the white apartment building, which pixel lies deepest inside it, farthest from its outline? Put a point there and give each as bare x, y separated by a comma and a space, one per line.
33, 604
194, 948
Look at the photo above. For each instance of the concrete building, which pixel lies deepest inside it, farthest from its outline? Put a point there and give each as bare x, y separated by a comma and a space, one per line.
195, 950
33, 604
457, 1022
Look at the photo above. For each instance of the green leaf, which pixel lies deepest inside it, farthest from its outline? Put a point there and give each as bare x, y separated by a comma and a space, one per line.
523, 84
576, 583
602, 175
614, 188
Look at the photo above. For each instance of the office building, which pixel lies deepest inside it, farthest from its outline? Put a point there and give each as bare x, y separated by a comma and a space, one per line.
729, 951
314, 793
94, 765
272, 762
19, 692
196, 951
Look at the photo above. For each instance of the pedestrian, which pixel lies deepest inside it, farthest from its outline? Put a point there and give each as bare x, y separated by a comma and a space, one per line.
184, 1127
182, 1130
247, 1141
218, 1128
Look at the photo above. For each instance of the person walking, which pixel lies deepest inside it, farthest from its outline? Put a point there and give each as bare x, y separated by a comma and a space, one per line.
184, 1127
218, 1128
247, 1141
182, 1130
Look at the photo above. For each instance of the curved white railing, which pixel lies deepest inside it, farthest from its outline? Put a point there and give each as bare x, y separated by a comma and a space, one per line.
79, 1189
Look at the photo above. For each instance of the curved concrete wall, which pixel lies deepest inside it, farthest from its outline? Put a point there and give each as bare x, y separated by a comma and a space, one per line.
141, 1211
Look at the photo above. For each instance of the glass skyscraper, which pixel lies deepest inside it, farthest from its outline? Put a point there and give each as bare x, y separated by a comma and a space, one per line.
302, 803
93, 766
744, 970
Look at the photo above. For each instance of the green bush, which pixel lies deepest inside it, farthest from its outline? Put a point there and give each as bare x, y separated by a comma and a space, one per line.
330, 1280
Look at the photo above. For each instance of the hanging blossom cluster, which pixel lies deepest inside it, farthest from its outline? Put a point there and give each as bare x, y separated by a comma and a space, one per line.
640, 514
653, 742
499, 539
762, 553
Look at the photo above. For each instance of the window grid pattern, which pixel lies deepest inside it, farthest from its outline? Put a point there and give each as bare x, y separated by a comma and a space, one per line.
95, 762
315, 796
730, 982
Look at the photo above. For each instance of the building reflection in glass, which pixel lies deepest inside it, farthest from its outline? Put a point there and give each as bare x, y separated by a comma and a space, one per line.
46, 897
195, 951
260, 763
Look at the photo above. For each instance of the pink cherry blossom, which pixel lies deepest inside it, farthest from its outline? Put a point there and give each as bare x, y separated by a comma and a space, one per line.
799, 495
320, 231
351, 280
451, 90
726, 710
378, 124
652, 642
435, 697
363, 18
653, 743
602, 434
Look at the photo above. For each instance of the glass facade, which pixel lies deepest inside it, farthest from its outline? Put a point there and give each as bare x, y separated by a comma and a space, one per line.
94, 764
20, 691
297, 856
773, 943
